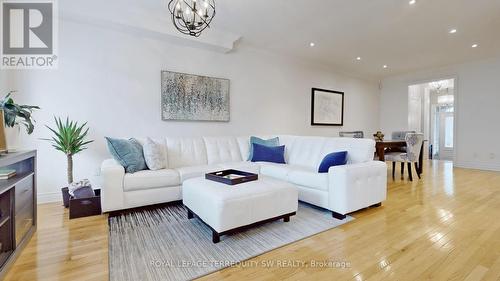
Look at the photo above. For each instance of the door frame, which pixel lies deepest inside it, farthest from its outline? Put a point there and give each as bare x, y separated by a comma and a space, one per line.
444, 152
455, 104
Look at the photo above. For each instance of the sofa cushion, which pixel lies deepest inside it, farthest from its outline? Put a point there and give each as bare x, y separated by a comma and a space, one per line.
277, 171
308, 177
185, 152
358, 150
128, 153
244, 166
306, 151
148, 179
222, 150
196, 171
244, 145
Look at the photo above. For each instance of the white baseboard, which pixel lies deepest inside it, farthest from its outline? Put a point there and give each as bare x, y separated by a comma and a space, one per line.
477, 166
49, 197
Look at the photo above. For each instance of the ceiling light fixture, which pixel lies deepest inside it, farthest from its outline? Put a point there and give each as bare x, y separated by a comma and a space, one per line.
358, 58
191, 17
385, 66
475, 45
453, 31
312, 44
412, 2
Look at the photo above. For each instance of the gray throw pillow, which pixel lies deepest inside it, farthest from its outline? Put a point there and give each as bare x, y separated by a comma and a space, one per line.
153, 155
128, 153
270, 142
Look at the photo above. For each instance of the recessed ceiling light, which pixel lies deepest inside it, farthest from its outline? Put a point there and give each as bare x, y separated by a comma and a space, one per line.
412, 2
453, 31
312, 44
358, 58
475, 45
385, 66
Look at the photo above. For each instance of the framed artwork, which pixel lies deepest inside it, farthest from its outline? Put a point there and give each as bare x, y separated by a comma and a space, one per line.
327, 107
194, 98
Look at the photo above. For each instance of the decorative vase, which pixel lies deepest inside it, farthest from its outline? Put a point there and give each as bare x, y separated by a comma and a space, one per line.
12, 137
378, 136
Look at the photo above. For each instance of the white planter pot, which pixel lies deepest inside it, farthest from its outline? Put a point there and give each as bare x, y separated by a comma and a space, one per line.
12, 137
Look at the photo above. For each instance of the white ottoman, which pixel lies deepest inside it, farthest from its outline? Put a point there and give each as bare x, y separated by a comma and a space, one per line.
228, 208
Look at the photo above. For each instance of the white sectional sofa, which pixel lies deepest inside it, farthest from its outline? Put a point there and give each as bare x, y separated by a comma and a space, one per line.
344, 189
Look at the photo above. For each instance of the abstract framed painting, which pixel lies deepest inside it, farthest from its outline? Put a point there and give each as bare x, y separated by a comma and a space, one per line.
189, 97
327, 107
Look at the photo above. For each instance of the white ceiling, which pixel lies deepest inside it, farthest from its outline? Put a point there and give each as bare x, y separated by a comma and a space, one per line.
391, 32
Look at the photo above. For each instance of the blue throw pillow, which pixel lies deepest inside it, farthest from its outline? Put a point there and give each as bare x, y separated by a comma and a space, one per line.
128, 153
273, 154
270, 142
332, 159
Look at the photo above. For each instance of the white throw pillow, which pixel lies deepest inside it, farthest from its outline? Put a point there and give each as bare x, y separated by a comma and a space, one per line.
153, 155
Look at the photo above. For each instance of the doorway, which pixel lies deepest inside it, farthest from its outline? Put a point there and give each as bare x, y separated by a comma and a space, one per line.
431, 110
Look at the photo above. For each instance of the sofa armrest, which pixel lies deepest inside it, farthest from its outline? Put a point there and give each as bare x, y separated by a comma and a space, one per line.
112, 174
357, 186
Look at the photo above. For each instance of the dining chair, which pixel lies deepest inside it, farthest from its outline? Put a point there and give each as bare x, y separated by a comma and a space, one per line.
354, 134
413, 146
399, 135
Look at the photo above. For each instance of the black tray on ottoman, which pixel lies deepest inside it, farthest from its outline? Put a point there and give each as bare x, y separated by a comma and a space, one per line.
231, 177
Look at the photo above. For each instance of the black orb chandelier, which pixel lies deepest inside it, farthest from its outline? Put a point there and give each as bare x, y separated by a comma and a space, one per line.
191, 17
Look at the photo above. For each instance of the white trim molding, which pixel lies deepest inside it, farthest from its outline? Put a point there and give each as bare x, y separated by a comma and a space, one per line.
477, 165
212, 40
49, 197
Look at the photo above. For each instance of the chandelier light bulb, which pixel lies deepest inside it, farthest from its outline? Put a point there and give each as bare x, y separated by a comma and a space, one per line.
205, 4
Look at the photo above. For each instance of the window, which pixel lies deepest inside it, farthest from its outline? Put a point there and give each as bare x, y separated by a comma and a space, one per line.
448, 132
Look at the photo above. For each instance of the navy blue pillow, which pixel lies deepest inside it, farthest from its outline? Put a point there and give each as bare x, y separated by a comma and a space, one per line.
270, 142
332, 159
273, 154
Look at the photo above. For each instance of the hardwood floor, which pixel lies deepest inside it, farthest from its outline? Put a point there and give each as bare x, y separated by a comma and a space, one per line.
64, 249
445, 226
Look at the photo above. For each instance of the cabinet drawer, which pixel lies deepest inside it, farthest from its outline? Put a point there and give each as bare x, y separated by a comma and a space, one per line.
24, 221
24, 193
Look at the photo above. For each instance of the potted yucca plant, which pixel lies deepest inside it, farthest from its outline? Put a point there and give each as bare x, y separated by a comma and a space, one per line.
69, 138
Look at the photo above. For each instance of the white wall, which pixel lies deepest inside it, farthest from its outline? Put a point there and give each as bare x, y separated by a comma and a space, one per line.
112, 80
477, 106
6, 82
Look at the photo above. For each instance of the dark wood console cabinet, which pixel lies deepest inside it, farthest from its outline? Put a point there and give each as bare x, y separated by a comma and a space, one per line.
17, 206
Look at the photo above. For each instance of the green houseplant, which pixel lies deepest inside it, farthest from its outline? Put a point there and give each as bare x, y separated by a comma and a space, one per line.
69, 137
17, 113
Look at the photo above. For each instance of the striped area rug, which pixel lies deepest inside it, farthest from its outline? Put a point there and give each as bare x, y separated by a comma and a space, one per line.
162, 244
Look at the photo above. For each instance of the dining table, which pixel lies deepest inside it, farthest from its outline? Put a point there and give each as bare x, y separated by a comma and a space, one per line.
397, 145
